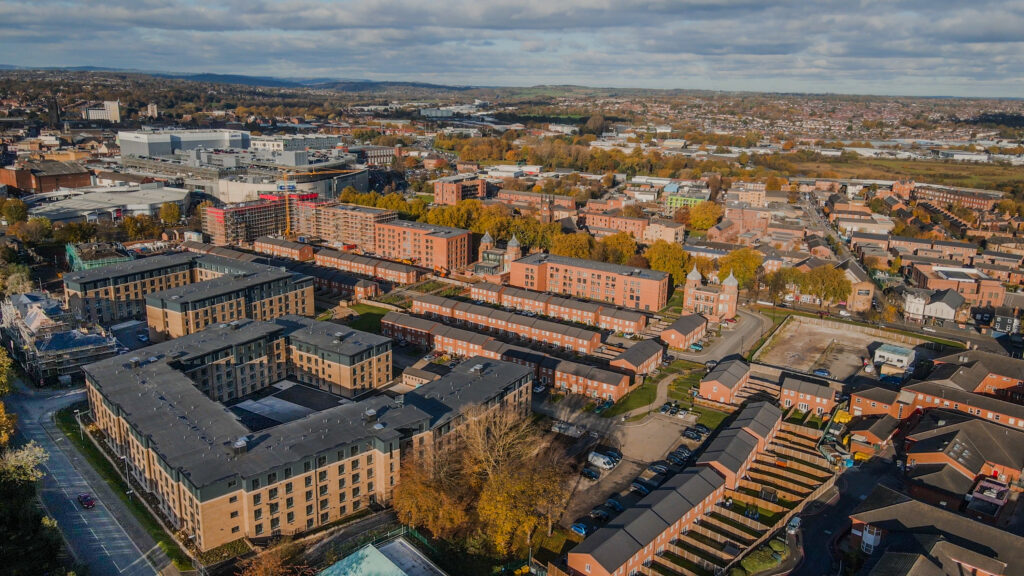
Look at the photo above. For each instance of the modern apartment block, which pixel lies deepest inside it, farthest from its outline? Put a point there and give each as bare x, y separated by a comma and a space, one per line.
636, 288
452, 192
423, 244
218, 480
347, 224
258, 292
240, 224
240, 290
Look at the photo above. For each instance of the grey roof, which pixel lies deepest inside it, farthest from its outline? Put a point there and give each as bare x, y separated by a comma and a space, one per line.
540, 258
640, 352
431, 229
330, 336
687, 323
71, 340
995, 363
508, 317
227, 284
119, 269
803, 385
949, 297
759, 418
473, 382
280, 242
942, 476
731, 448
969, 440
487, 239
728, 373
956, 394
638, 526
881, 427
592, 373
993, 550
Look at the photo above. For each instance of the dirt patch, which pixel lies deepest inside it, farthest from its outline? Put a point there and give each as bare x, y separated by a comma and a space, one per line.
805, 347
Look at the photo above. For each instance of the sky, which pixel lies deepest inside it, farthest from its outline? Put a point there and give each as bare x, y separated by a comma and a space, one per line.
911, 47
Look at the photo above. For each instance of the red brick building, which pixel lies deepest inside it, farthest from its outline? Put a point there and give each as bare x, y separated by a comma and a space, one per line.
717, 302
435, 247
281, 248
686, 330
637, 288
569, 309
452, 193
724, 381
37, 176
807, 395
640, 358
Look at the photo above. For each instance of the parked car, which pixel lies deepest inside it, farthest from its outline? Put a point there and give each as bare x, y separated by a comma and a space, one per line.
710, 365
730, 320
602, 461
844, 314
640, 488
696, 347
683, 452
676, 460
823, 372
613, 454
600, 514
86, 501
928, 329
658, 468
673, 411
614, 504
539, 388
143, 338
793, 525
665, 407
604, 406
702, 429
691, 435
581, 529
590, 474
694, 430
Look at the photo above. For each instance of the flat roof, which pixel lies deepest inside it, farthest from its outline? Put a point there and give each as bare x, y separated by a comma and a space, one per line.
541, 258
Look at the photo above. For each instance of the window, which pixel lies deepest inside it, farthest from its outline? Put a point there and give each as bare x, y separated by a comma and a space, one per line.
274, 508
233, 499
291, 517
325, 504
288, 503
234, 513
272, 494
234, 529
257, 513
288, 488
256, 499
309, 509
259, 529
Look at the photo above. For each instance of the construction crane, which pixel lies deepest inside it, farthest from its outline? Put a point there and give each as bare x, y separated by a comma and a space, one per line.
285, 174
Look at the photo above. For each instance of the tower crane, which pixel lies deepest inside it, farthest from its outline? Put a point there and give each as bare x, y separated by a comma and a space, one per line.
285, 175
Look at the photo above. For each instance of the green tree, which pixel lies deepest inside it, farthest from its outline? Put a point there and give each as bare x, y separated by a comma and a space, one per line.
668, 257
705, 215
743, 264
826, 283
782, 281
15, 210
170, 213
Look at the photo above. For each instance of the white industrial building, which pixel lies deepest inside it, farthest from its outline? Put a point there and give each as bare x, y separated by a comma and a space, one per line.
169, 142
106, 203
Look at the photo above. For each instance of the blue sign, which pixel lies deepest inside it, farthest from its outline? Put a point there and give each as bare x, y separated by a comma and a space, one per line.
286, 187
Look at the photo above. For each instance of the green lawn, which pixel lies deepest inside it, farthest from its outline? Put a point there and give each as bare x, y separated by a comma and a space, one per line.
710, 418
65, 420
428, 198
369, 317
680, 388
551, 548
639, 398
675, 301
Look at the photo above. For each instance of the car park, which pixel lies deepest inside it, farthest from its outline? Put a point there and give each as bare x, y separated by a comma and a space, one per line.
640, 488
86, 501
658, 468
590, 474
614, 505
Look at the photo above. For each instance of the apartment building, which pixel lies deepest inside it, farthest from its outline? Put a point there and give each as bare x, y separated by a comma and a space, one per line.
568, 309
453, 192
217, 480
437, 247
982, 200
635, 288
536, 199
641, 532
976, 287
602, 224
281, 248
667, 230
336, 358
387, 270
242, 223
564, 375
263, 293
508, 323
349, 224
717, 302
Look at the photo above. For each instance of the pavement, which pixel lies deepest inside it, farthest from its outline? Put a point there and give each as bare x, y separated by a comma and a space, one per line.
107, 538
751, 327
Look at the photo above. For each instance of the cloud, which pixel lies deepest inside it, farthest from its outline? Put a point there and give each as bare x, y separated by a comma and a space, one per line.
925, 47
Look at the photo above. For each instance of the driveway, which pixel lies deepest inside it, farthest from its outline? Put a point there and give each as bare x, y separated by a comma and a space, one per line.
736, 340
106, 538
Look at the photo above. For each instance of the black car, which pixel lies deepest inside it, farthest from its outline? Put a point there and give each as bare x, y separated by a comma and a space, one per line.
600, 514
613, 454
590, 474
676, 460
691, 435
702, 429
682, 452
658, 468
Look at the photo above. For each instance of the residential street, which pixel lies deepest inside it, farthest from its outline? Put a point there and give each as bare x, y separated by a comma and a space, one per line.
106, 538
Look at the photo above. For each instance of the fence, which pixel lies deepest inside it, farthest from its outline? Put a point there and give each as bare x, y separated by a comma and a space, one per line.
704, 402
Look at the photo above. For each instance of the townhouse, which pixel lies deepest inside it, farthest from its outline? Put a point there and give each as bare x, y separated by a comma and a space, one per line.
641, 532
641, 358
807, 395
281, 248
635, 288
985, 373
684, 331
940, 393
508, 323
723, 382
564, 375
394, 272
217, 480
568, 309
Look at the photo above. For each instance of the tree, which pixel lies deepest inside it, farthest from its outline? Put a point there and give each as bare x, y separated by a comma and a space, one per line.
170, 213
18, 283
422, 500
705, 215
75, 232
506, 508
632, 211
15, 210
596, 124
5, 372
492, 439
668, 257
618, 248
741, 263
7, 421
141, 227
682, 215
780, 282
578, 245
826, 283
638, 261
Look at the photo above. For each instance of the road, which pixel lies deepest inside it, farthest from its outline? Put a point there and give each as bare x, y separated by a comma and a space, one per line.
106, 538
735, 340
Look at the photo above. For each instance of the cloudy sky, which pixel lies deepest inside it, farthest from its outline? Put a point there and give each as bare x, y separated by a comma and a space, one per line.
919, 47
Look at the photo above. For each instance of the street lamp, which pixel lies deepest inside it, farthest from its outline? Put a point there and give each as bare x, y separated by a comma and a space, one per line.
78, 418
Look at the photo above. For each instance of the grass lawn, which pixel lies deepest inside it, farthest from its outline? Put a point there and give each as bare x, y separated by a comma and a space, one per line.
428, 286
710, 418
680, 388
674, 302
66, 422
639, 398
428, 198
369, 317
937, 172
551, 548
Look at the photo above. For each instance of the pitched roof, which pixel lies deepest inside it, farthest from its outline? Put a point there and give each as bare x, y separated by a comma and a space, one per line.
728, 373
759, 418
640, 352
686, 324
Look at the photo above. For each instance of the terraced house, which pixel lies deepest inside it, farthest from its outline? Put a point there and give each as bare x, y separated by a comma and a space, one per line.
217, 479
636, 288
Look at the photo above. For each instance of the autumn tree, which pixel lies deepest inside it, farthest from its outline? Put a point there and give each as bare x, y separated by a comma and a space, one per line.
422, 500
741, 263
682, 215
827, 283
668, 257
75, 232
780, 282
491, 439
705, 215
577, 245
632, 211
617, 248
170, 213
14, 210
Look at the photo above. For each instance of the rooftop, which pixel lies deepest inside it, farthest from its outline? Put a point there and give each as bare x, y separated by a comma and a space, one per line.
542, 258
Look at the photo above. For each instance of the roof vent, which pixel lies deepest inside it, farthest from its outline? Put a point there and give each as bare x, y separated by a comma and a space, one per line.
378, 426
477, 368
370, 415
241, 445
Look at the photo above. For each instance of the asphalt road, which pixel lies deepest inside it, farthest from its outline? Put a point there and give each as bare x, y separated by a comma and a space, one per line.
732, 341
97, 538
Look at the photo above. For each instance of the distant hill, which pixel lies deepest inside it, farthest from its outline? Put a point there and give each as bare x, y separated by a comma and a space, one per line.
375, 86
235, 79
